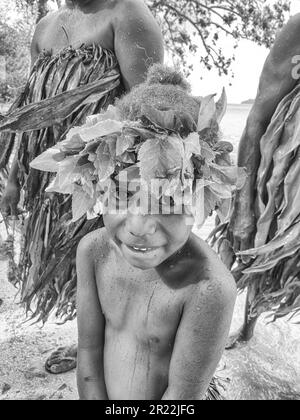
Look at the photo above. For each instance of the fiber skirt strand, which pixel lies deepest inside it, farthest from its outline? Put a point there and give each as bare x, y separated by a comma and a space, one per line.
46, 270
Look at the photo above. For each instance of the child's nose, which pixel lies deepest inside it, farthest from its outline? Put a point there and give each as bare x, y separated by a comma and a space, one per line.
139, 225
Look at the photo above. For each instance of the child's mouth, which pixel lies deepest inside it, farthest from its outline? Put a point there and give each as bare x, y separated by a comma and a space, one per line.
141, 250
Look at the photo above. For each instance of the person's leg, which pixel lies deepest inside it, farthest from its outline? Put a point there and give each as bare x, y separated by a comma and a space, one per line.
246, 332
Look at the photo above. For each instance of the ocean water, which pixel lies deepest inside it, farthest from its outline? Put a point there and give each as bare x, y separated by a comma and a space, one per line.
233, 124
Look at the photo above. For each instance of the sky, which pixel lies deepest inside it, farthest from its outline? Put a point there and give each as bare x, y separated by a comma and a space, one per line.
247, 68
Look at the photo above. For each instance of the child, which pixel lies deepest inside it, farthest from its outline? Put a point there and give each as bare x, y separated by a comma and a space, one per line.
154, 303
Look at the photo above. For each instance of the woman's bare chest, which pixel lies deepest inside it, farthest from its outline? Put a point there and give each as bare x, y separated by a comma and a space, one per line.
75, 29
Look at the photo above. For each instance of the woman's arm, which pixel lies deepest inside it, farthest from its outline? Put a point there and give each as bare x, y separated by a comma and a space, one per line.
91, 328
138, 41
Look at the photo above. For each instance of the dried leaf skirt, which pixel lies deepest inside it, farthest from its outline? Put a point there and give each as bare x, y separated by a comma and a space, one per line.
273, 266
46, 270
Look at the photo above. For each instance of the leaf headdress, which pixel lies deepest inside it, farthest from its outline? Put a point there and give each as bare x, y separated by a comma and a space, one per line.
161, 144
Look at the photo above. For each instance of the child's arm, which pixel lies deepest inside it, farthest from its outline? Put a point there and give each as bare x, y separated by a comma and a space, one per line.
201, 339
138, 41
91, 327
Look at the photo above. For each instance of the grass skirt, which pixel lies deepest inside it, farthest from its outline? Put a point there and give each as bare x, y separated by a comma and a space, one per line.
273, 266
46, 269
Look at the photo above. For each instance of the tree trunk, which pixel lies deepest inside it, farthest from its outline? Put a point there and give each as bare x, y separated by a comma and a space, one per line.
42, 9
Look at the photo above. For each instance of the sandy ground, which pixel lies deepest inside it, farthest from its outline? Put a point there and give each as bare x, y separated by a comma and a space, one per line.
267, 369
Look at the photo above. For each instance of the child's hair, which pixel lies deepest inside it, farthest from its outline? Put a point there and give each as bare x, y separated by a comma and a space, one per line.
164, 89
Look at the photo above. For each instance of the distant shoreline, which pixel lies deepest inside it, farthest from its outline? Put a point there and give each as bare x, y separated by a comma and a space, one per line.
246, 104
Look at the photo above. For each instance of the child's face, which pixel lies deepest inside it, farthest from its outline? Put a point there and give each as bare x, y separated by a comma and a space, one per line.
146, 241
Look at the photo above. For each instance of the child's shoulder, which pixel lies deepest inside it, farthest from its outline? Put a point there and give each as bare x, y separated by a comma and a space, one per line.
214, 281
94, 245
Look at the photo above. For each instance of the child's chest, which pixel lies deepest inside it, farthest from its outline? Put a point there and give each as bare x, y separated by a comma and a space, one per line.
139, 305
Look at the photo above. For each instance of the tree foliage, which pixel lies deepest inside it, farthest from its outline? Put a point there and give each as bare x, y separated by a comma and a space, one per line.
199, 26
16, 29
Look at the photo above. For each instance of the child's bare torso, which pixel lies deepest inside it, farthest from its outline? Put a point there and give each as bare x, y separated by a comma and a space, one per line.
142, 315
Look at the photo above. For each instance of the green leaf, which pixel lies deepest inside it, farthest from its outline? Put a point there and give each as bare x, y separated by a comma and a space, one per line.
138, 131
206, 113
86, 180
83, 160
128, 157
163, 119
101, 129
228, 175
192, 145
221, 191
112, 113
199, 210
46, 161
210, 197
129, 174
106, 159
173, 188
223, 147
59, 157
124, 142
81, 203
158, 156
54, 186
221, 107
211, 200
67, 174
207, 152
73, 141
224, 210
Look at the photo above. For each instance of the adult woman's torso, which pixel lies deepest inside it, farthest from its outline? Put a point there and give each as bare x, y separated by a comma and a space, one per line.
74, 27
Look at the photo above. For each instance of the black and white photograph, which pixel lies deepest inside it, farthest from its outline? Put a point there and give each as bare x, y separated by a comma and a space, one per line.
150, 202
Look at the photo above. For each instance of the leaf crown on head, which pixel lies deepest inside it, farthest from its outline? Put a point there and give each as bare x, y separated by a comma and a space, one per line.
158, 129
